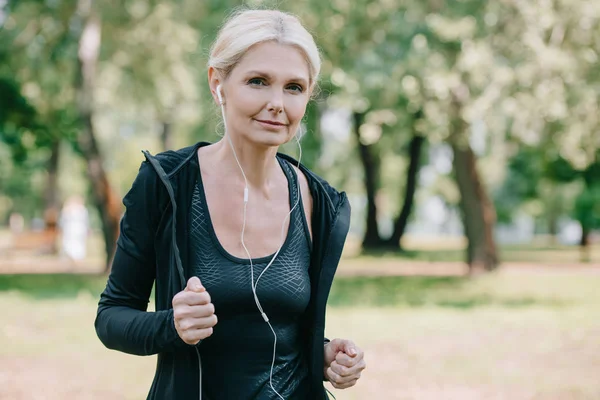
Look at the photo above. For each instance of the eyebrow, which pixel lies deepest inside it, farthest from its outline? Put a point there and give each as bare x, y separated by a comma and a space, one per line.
270, 77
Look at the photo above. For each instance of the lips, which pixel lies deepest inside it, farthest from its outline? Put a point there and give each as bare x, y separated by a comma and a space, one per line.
274, 123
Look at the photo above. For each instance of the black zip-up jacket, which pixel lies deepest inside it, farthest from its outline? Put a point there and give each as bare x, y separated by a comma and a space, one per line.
153, 246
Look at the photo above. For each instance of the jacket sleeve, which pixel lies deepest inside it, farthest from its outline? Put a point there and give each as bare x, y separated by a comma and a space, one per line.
122, 321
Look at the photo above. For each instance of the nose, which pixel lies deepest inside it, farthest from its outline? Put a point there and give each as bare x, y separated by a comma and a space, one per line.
276, 101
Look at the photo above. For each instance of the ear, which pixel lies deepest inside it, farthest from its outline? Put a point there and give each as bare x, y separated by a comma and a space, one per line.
214, 80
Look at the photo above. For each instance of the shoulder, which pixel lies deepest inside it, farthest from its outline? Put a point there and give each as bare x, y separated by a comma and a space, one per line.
173, 160
145, 187
317, 185
304, 188
147, 184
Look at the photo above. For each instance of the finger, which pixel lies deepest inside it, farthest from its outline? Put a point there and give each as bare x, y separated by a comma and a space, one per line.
192, 298
197, 311
194, 285
340, 370
336, 345
196, 335
345, 385
193, 324
201, 311
347, 360
337, 379
344, 345
349, 348
347, 372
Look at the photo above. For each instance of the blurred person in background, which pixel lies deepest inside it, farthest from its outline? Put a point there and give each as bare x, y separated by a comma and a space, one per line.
237, 231
74, 225
16, 222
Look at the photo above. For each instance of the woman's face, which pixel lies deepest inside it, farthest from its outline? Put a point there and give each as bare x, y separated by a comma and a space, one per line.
265, 94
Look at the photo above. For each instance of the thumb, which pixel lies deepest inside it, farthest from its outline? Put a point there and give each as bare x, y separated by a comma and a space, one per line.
349, 348
194, 285
343, 345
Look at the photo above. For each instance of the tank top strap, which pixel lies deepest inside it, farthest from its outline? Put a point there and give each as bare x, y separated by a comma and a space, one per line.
290, 174
298, 215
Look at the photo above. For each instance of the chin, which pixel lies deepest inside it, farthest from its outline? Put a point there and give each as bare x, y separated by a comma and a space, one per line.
269, 139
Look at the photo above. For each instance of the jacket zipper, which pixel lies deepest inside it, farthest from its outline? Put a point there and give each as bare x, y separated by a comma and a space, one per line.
327, 251
165, 180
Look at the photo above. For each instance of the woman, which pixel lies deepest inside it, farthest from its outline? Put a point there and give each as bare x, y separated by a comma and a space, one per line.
241, 241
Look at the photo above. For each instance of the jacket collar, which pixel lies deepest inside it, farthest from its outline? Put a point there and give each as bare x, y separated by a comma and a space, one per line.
173, 161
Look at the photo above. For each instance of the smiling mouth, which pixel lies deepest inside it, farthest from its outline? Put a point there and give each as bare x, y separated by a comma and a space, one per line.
273, 123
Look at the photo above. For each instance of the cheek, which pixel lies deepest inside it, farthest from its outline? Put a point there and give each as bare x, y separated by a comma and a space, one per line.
295, 109
247, 104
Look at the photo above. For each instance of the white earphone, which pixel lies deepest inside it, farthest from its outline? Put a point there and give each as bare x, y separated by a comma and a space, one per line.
219, 95
246, 190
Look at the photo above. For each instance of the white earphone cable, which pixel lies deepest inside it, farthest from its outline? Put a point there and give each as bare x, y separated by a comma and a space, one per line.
246, 197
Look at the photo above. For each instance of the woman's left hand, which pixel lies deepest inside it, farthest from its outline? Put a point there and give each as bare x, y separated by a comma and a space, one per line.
344, 362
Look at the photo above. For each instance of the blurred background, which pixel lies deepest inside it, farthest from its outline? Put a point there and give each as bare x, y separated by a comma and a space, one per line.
466, 134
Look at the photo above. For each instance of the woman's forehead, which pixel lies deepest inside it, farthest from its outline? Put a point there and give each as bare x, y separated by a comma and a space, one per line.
276, 60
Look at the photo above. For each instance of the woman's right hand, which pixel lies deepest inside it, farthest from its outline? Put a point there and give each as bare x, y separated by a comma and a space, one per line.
193, 312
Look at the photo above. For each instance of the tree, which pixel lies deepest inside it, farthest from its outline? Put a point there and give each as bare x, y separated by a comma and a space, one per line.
362, 52
61, 76
18, 121
454, 81
415, 150
554, 104
106, 200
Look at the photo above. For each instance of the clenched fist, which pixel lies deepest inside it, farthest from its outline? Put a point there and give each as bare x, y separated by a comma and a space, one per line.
343, 363
193, 312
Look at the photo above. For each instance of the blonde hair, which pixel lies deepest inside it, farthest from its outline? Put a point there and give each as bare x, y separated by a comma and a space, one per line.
245, 29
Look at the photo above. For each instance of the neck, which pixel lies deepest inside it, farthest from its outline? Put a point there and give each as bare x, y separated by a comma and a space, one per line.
258, 162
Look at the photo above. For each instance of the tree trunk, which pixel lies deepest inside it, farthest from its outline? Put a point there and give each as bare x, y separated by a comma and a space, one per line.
415, 147
371, 239
106, 201
584, 244
165, 135
553, 228
478, 211
52, 206
554, 205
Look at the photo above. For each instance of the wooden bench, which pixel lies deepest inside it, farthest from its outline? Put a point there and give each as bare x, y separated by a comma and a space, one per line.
36, 242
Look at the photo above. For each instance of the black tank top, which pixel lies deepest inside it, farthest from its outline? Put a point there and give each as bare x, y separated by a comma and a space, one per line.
237, 357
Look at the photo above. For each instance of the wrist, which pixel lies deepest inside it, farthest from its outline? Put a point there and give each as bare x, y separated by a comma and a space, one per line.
325, 366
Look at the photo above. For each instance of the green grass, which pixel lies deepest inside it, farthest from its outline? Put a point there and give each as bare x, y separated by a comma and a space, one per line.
537, 253
368, 291
450, 292
49, 286
372, 291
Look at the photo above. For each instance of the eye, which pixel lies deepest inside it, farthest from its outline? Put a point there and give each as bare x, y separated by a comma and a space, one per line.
296, 88
257, 81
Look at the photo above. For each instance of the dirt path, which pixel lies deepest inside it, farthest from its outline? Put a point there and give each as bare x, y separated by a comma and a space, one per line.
436, 364
49, 350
